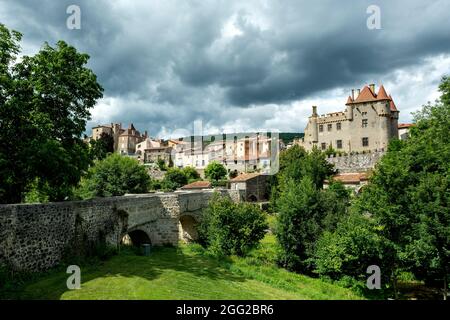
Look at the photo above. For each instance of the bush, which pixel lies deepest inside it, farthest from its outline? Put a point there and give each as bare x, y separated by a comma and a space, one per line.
175, 178
231, 228
191, 174
114, 176
161, 164
349, 250
215, 171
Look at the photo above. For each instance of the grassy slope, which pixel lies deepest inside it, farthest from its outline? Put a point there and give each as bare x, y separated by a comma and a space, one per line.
187, 272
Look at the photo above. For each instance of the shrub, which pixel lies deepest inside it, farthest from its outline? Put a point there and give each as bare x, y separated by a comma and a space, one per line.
114, 176
349, 250
231, 228
191, 174
215, 171
175, 178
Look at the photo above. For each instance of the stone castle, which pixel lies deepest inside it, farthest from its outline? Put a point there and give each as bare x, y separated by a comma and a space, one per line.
125, 140
368, 123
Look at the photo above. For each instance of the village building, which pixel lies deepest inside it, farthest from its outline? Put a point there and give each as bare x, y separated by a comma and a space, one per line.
197, 185
354, 181
254, 186
403, 130
155, 154
368, 123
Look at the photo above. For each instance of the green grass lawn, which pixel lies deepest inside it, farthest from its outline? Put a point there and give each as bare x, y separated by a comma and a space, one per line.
186, 272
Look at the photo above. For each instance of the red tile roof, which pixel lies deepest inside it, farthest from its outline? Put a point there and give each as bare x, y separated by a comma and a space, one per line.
367, 95
198, 185
349, 100
382, 95
392, 104
245, 177
350, 178
405, 125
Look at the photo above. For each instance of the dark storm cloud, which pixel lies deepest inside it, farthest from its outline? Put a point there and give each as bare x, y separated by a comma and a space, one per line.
170, 62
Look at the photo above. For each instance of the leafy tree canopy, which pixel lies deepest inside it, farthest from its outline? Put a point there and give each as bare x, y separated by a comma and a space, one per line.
215, 171
114, 176
44, 106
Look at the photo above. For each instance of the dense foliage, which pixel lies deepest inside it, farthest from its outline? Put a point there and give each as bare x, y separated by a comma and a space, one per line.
405, 207
215, 171
102, 146
44, 106
305, 212
114, 176
191, 174
174, 178
231, 228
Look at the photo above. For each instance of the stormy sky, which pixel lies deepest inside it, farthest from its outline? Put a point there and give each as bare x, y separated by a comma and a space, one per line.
243, 65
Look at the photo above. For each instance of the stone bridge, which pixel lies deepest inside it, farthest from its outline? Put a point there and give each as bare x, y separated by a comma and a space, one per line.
36, 237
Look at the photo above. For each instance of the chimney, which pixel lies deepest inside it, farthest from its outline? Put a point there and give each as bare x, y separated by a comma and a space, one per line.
353, 94
314, 112
372, 87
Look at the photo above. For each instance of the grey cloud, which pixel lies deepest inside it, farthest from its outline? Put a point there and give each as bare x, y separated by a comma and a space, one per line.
167, 65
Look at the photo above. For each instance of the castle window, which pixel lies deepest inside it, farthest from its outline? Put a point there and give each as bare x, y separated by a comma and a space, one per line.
321, 128
338, 126
365, 142
329, 127
364, 123
339, 144
323, 145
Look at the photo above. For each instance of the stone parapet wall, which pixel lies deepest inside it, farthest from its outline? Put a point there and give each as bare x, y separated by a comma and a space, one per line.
36, 237
361, 162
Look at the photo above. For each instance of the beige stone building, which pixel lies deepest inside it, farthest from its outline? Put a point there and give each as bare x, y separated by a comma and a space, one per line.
114, 129
369, 121
129, 139
125, 140
403, 130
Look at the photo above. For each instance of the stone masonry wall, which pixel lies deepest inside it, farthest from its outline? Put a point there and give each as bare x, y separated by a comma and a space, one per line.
356, 162
36, 237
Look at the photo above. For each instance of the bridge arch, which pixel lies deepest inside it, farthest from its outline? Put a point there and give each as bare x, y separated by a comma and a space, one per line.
136, 238
187, 227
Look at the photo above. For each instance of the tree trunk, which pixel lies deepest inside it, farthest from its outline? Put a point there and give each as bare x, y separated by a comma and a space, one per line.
394, 283
445, 286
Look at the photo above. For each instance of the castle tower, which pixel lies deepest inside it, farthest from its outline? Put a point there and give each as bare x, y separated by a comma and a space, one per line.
349, 110
314, 127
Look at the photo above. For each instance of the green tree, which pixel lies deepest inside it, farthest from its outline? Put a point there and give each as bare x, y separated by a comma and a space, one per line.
316, 167
408, 195
161, 164
44, 106
174, 179
350, 249
231, 228
191, 174
429, 252
299, 223
114, 176
233, 174
101, 147
296, 163
215, 171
